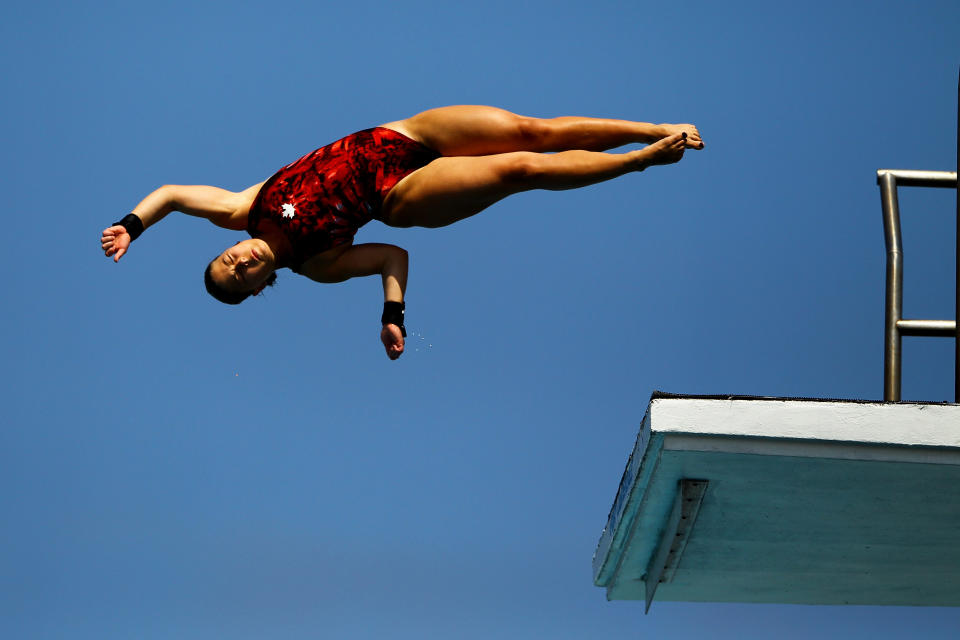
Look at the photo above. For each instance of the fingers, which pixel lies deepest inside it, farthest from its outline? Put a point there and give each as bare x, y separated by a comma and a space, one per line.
114, 242
392, 340
106, 241
394, 351
113, 249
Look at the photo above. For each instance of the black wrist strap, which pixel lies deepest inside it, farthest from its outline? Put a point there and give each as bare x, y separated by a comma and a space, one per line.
393, 314
133, 224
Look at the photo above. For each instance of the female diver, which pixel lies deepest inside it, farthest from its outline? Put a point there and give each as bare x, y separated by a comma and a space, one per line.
431, 170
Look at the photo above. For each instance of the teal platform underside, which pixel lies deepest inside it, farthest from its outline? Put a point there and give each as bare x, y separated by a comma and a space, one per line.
787, 519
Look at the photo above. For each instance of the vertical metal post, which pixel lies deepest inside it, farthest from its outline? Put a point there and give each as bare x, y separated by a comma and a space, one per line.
956, 344
894, 298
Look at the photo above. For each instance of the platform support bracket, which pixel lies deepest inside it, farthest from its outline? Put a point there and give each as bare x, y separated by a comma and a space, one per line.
674, 538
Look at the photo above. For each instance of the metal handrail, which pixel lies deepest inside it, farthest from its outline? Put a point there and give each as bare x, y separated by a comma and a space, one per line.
896, 325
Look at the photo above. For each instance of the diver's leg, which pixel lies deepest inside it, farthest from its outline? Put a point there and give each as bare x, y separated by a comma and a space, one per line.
472, 130
453, 188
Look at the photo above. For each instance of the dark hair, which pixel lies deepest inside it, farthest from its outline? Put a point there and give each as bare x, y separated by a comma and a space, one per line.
230, 297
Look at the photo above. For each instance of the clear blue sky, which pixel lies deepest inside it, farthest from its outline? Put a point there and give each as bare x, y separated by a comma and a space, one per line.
170, 467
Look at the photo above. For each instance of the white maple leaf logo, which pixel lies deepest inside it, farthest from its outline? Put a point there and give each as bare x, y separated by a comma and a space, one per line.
288, 210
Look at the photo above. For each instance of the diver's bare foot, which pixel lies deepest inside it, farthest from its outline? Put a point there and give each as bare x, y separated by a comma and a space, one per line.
665, 151
694, 141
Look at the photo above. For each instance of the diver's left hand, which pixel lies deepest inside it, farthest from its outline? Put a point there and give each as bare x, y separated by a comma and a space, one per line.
392, 340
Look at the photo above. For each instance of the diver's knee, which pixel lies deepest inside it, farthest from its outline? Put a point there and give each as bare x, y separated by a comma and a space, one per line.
522, 169
534, 132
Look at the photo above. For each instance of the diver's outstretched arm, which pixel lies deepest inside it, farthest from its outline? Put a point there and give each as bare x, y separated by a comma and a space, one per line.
387, 260
227, 209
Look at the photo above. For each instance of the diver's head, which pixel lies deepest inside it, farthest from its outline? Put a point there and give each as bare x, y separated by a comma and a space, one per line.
241, 271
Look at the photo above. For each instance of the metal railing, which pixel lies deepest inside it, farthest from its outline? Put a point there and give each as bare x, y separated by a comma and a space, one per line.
896, 325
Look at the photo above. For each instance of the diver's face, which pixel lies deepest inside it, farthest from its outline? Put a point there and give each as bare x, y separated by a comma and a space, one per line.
243, 267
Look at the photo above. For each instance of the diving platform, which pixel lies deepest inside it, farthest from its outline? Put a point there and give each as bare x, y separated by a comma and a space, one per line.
787, 500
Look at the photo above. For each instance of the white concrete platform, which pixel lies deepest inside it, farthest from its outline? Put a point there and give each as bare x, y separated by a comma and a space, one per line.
806, 502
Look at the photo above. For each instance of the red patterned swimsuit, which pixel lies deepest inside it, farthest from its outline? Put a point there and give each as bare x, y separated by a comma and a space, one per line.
321, 200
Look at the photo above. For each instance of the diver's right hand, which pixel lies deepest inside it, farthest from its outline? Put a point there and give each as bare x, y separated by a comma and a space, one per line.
115, 241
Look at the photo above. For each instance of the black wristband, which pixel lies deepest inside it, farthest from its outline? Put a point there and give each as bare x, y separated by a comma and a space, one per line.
133, 224
393, 314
